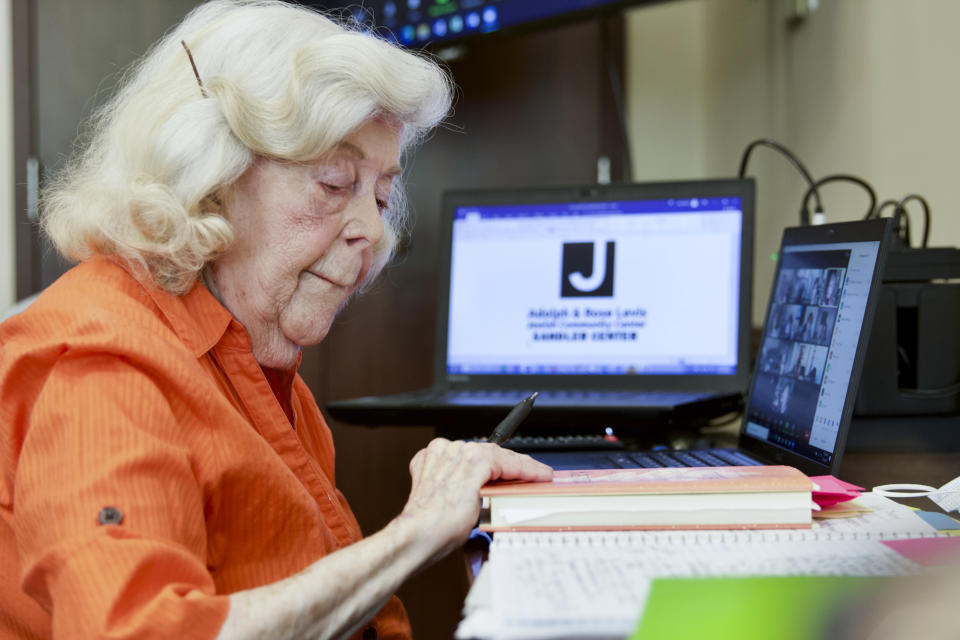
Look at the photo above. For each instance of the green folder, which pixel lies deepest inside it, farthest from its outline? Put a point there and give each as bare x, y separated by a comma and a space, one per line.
780, 608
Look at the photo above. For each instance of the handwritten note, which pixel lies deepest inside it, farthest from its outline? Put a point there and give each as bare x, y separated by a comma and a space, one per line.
595, 584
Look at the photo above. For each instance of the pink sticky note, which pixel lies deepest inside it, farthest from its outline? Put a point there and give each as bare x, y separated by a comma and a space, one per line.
831, 499
829, 484
928, 551
833, 490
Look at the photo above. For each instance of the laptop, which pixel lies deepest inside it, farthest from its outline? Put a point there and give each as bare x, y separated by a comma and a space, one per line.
619, 304
811, 353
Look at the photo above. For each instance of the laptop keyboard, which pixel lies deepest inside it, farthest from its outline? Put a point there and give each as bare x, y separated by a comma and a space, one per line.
688, 458
578, 442
644, 459
578, 398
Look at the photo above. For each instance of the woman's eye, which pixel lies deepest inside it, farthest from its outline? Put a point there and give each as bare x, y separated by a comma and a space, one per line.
381, 205
336, 188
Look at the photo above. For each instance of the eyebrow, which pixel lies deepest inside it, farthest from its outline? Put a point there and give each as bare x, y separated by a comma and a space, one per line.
358, 152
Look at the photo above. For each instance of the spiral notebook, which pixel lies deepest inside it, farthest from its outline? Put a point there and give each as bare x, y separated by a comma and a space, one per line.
595, 584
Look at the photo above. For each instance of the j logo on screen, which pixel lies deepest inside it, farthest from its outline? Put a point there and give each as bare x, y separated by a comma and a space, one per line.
587, 270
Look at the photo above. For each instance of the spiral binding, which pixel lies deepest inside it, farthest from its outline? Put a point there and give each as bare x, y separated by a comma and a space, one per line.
638, 539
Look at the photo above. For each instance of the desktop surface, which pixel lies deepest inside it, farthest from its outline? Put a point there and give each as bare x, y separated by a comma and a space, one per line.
863, 563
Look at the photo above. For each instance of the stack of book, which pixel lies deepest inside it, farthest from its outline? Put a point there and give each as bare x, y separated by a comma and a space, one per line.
762, 497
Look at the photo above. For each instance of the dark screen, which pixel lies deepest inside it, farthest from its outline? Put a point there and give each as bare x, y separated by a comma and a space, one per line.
423, 23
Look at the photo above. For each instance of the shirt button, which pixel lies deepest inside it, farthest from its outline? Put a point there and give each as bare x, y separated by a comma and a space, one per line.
369, 634
110, 515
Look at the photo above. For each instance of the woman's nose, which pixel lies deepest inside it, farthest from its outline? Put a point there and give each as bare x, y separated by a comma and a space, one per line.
367, 221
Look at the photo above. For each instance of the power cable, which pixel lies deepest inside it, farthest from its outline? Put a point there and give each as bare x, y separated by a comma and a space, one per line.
839, 177
776, 146
901, 211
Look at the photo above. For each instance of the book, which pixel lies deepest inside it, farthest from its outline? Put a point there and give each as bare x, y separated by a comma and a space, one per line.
667, 498
596, 584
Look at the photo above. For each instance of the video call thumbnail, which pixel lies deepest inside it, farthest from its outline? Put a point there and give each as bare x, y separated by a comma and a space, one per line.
793, 357
797, 322
819, 287
797, 360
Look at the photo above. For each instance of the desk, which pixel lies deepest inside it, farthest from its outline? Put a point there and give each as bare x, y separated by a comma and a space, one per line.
867, 470
864, 469
870, 469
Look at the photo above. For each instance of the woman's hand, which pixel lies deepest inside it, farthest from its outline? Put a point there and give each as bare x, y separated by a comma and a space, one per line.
340, 592
446, 480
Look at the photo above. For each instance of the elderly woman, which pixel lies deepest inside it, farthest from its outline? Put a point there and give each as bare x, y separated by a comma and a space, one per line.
164, 472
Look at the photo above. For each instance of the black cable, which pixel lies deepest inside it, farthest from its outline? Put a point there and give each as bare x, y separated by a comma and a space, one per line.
878, 212
902, 230
901, 210
804, 215
838, 177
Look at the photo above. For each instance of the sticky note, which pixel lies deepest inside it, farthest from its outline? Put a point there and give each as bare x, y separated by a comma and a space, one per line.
938, 520
831, 491
928, 551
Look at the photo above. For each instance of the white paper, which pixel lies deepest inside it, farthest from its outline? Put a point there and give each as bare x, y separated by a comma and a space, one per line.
539, 585
947, 497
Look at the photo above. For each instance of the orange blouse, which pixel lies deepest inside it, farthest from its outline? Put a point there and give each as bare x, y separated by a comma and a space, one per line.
146, 468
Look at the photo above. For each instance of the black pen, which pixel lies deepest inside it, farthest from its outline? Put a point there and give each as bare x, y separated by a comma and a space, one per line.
508, 425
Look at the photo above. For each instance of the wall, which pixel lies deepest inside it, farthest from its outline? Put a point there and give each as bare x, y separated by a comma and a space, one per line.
867, 87
7, 234
81, 49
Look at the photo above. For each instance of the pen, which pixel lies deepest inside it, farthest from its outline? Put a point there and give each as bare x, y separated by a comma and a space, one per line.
508, 425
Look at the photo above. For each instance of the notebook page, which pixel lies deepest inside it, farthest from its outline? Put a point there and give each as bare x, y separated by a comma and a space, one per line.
558, 592
595, 584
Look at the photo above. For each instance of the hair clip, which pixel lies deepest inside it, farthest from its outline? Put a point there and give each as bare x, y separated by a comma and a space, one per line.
196, 73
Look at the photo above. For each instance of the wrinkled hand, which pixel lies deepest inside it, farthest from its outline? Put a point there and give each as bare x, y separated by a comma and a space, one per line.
446, 479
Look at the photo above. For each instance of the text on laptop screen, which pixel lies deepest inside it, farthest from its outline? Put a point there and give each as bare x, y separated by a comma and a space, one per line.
809, 346
648, 287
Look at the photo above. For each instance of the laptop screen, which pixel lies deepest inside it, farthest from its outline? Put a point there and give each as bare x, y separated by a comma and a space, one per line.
819, 312
614, 284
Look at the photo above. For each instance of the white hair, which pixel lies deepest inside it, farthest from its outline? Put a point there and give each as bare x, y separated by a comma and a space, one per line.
278, 80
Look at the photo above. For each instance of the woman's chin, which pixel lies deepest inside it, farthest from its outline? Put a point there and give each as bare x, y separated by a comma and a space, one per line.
281, 353
309, 335
277, 359
297, 340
